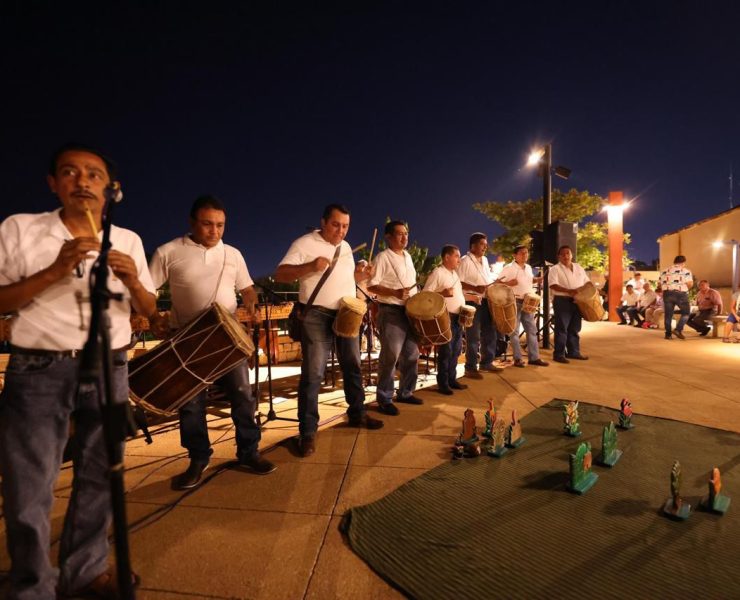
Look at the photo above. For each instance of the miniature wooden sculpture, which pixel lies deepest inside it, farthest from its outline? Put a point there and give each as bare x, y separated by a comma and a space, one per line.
582, 478
467, 443
675, 507
715, 502
609, 452
625, 414
498, 443
571, 426
490, 420
514, 437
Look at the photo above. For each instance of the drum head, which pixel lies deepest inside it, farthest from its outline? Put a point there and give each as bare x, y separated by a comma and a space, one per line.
425, 305
354, 304
588, 292
500, 294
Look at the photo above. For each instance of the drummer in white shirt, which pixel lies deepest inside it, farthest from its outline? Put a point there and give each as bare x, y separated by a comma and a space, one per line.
565, 280
476, 275
394, 282
445, 281
518, 275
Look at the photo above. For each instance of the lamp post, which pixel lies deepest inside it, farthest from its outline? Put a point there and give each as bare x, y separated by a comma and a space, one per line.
735, 249
543, 159
615, 236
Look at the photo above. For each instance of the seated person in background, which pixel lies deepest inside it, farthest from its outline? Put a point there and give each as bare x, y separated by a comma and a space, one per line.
629, 301
637, 283
654, 314
604, 292
648, 299
709, 303
732, 318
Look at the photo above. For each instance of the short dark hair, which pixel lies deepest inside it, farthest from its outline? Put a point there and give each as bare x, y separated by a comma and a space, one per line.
390, 226
704, 281
110, 166
477, 237
563, 247
206, 201
449, 249
520, 247
330, 208
638, 274
679, 259
629, 285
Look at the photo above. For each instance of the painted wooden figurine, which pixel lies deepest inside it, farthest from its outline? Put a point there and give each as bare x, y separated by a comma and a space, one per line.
571, 425
610, 454
625, 414
490, 415
675, 507
582, 478
467, 443
715, 502
514, 437
498, 443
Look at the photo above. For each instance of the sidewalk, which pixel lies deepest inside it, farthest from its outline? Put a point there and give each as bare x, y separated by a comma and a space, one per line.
244, 536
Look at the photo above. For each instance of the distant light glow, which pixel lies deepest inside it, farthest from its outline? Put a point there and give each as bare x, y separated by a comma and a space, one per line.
718, 244
616, 209
535, 156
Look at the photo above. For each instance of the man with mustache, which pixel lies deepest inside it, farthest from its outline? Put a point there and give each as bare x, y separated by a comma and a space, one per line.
43, 260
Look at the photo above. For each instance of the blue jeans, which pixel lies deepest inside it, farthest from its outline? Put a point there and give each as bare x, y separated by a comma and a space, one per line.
194, 429
672, 299
481, 338
397, 345
567, 319
447, 355
40, 395
530, 328
316, 344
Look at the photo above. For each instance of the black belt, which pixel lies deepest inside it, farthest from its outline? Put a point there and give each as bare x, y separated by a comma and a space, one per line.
56, 354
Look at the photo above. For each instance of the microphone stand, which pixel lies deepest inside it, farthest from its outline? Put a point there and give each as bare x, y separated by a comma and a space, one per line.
96, 368
369, 334
266, 291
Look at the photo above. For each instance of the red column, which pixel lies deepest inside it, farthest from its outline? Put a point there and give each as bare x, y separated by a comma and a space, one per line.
616, 249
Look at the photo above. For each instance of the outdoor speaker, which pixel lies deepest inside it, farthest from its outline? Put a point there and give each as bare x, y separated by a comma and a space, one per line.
559, 234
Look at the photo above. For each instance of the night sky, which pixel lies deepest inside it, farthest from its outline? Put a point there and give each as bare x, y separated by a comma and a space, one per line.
409, 110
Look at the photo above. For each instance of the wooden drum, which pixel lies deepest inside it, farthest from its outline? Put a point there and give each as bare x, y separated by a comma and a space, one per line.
349, 318
427, 313
502, 304
589, 303
467, 316
170, 375
531, 303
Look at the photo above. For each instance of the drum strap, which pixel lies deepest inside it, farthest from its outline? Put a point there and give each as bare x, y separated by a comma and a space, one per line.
323, 279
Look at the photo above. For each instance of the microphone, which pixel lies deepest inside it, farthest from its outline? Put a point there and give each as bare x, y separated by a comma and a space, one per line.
113, 192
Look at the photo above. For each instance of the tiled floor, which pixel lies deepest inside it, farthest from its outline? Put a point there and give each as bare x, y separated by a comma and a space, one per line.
244, 536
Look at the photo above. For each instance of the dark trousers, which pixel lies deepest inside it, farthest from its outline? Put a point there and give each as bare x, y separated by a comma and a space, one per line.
567, 326
699, 320
194, 429
671, 300
447, 355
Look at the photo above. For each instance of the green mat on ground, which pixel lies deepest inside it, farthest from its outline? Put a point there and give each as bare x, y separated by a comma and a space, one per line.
508, 528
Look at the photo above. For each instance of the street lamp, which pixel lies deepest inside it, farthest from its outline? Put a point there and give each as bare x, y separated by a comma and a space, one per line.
735, 245
542, 158
615, 236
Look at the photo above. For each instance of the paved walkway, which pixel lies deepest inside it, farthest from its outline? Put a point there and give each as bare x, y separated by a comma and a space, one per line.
245, 536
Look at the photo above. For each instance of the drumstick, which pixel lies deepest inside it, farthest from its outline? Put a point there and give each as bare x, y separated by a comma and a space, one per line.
91, 220
360, 247
372, 246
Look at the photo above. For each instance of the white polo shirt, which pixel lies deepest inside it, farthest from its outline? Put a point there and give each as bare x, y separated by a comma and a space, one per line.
567, 278
441, 279
59, 317
394, 271
341, 281
523, 276
475, 273
630, 299
194, 271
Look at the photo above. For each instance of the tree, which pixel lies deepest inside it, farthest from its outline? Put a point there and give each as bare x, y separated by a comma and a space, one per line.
574, 206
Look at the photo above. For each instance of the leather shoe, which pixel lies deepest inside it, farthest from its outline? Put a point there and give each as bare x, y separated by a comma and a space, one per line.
191, 477
458, 386
492, 369
560, 359
578, 357
519, 363
366, 421
679, 335
257, 464
307, 446
539, 362
410, 399
473, 375
704, 332
444, 390
104, 586
388, 408
667, 336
